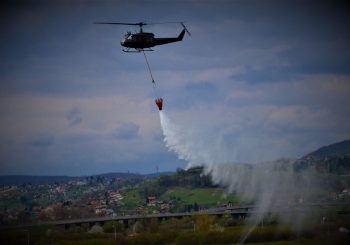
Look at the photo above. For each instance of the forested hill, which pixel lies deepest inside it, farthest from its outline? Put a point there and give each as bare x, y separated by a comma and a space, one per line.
338, 149
38, 180
34, 180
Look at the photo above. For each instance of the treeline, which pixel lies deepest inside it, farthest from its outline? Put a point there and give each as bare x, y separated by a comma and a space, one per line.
192, 178
7, 180
339, 165
335, 164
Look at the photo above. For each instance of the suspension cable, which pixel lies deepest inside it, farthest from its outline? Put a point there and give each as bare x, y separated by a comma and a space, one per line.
149, 68
150, 72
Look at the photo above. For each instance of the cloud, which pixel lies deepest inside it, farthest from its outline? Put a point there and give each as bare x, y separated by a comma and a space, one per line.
127, 131
74, 117
43, 140
264, 74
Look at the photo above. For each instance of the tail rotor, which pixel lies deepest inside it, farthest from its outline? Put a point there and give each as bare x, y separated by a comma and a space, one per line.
187, 31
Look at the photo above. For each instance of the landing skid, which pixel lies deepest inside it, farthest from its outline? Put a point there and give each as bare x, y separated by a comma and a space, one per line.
136, 50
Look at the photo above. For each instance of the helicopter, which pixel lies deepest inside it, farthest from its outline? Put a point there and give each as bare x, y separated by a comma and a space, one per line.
144, 41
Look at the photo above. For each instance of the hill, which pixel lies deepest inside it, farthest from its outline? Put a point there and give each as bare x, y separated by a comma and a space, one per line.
119, 175
39, 180
338, 149
32, 179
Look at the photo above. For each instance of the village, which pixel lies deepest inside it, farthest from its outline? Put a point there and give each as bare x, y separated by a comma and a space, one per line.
119, 195
90, 197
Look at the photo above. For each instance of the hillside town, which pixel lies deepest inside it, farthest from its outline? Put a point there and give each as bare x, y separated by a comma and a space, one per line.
98, 196
93, 196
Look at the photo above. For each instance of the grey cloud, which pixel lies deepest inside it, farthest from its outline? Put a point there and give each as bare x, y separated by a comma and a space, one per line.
201, 89
43, 140
266, 75
127, 131
74, 117
275, 42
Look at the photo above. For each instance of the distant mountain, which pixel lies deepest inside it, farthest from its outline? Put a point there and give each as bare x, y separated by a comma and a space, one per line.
153, 175
338, 149
34, 180
38, 180
119, 175
133, 175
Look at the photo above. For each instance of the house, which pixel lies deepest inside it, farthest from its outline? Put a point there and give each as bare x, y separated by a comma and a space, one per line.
227, 205
344, 193
151, 201
50, 211
114, 197
333, 195
100, 209
110, 212
164, 206
139, 210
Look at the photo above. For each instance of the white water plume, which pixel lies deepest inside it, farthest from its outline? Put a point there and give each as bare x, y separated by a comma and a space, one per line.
275, 186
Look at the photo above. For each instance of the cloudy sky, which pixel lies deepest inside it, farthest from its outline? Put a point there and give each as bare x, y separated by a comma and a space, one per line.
272, 77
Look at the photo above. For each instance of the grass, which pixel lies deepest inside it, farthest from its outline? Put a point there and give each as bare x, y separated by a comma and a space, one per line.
132, 198
271, 235
207, 197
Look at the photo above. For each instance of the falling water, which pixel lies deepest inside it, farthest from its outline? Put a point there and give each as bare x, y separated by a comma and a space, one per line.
275, 186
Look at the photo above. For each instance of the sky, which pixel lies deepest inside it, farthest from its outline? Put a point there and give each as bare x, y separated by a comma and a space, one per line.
272, 78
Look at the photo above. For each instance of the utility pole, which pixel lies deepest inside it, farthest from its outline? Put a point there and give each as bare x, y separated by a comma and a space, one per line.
28, 236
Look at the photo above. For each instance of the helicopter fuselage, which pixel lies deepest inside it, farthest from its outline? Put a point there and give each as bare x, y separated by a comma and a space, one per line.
142, 40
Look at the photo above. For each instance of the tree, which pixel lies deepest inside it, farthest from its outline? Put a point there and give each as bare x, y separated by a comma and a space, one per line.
203, 222
153, 226
195, 207
24, 200
110, 226
138, 227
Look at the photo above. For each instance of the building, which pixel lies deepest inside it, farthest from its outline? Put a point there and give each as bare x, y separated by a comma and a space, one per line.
151, 201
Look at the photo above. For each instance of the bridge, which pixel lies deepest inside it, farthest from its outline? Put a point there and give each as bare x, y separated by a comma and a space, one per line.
234, 211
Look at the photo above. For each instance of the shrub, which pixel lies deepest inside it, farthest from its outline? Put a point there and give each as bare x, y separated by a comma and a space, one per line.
203, 222
147, 239
271, 233
153, 226
111, 225
186, 238
138, 227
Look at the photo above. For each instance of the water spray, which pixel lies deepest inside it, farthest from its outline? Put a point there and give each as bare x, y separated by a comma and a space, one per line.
275, 186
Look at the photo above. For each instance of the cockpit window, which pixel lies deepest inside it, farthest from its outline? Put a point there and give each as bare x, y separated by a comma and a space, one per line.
127, 35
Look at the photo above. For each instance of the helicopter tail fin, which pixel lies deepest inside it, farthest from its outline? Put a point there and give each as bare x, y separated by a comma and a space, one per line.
181, 36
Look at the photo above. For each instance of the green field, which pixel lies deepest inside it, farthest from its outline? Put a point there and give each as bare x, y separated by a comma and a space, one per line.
207, 197
132, 198
204, 197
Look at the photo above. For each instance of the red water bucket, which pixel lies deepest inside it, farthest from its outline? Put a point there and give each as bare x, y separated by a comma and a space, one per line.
159, 103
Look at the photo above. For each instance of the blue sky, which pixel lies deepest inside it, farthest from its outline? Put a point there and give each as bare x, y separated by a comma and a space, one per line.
269, 79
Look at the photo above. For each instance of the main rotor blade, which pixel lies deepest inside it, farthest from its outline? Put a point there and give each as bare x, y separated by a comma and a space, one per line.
167, 22
121, 23
138, 24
